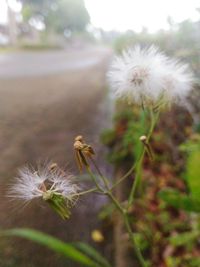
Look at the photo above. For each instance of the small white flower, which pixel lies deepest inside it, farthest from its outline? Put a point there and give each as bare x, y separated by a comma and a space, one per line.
43, 183
147, 76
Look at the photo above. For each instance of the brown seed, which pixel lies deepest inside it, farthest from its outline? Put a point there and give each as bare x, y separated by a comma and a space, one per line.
53, 166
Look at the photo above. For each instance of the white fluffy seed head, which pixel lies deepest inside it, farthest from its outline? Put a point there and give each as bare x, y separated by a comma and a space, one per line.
31, 184
147, 76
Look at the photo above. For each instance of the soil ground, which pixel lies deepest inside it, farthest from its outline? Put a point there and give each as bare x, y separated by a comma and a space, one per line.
39, 118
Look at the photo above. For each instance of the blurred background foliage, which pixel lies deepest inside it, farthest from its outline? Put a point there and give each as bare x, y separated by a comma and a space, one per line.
166, 212
58, 15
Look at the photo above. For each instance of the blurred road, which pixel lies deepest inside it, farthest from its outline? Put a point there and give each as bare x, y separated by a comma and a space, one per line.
23, 64
46, 99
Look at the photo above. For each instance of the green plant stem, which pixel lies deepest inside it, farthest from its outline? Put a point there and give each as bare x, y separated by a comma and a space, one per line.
133, 241
154, 118
128, 227
136, 182
124, 214
104, 179
137, 179
153, 122
94, 179
85, 192
138, 167
123, 177
108, 193
115, 201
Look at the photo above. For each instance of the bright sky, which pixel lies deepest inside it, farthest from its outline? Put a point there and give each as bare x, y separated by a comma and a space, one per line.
131, 14
3, 9
134, 14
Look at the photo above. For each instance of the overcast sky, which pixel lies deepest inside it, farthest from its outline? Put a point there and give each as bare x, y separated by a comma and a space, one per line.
132, 14
3, 9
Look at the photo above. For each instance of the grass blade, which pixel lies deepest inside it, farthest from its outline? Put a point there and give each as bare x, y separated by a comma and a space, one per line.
67, 250
92, 253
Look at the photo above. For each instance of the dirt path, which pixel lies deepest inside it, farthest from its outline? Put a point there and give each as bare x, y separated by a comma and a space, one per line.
39, 117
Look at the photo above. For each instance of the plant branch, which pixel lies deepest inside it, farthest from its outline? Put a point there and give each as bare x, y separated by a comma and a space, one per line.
86, 192
124, 177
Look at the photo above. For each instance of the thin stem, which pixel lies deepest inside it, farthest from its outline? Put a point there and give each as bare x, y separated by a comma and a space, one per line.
153, 123
133, 166
108, 193
128, 227
116, 202
124, 215
154, 118
133, 240
123, 177
94, 179
85, 192
137, 179
105, 181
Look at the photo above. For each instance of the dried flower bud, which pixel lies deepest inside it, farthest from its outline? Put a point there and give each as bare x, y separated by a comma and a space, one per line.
82, 152
78, 145
143, 138
79, 138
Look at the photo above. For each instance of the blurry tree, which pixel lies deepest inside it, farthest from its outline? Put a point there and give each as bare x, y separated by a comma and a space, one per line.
170, 22
32, 8
57, 15
68, 15
186, 34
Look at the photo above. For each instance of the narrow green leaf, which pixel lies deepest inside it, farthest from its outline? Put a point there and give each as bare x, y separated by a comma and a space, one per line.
92, 253
67, 250
193, 173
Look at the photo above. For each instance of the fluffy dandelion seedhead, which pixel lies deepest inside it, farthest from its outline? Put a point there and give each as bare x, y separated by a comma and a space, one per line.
49, 183
147, 76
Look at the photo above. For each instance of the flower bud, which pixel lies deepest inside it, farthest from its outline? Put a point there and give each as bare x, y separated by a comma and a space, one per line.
143, 138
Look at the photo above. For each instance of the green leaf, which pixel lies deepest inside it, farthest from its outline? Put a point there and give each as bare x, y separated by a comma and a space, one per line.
180, 201
193, 173
67, 250
184, 238
194, 262
92, 253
